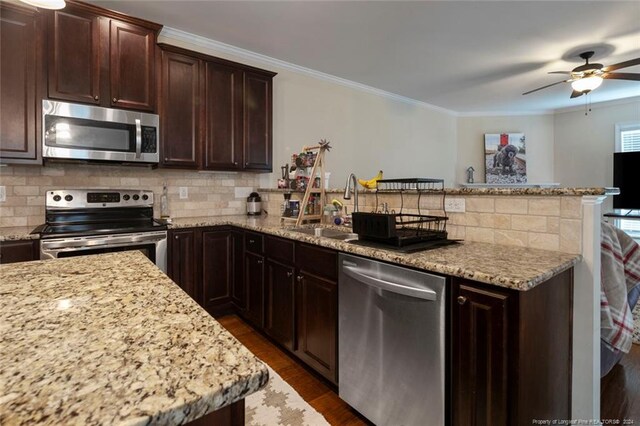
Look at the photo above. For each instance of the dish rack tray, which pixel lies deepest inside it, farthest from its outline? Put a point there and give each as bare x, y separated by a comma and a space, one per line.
402, 229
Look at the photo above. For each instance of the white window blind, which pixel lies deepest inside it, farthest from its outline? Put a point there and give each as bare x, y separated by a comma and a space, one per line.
627, 137
630, 140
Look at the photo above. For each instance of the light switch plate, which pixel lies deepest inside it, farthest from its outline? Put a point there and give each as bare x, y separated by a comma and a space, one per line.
184, 192
3, 194
454, 205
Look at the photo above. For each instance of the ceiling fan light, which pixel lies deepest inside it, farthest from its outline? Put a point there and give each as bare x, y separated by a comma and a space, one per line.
587, 84
46, 4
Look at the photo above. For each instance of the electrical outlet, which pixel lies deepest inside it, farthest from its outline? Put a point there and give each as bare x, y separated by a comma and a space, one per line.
454, 205
184, 192
3, 194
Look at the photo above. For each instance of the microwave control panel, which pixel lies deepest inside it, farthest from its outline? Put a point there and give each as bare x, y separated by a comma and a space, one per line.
149, 140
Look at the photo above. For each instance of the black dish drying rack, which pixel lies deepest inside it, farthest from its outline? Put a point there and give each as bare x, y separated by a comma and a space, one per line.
403, 229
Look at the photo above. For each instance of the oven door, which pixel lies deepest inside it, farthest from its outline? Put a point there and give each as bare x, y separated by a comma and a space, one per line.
152, 244
83, 132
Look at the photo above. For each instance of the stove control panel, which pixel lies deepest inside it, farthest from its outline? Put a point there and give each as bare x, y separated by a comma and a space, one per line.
98, 198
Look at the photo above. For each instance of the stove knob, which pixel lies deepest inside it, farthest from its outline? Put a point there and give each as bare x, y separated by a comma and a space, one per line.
126, 197
145, 197
57, 198
68, 197
136, 197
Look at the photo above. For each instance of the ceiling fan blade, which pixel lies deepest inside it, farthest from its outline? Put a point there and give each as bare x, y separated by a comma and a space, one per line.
544, 87
576, 94
560, 72
624, 64
622, 76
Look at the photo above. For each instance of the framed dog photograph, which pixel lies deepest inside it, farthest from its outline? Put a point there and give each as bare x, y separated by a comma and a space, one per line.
505, 158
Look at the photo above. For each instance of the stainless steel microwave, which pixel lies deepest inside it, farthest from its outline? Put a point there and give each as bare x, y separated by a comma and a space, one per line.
84, 132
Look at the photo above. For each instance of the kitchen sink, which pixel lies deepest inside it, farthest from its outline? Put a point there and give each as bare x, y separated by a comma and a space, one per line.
333, 233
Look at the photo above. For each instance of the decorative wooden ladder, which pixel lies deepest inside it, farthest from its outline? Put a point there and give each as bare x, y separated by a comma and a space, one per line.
318, 167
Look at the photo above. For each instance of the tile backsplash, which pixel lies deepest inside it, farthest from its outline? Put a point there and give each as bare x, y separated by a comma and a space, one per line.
545, 222
210, 193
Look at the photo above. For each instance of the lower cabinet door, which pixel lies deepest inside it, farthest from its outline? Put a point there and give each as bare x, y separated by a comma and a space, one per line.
254, 279
182, 262
238, 287
479, 356
217, 268
317, 327
279, 304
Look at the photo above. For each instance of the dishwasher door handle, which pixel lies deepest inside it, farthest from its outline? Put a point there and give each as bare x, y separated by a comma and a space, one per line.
359, 276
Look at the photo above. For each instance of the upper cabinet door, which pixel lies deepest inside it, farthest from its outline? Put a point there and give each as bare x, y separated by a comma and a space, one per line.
257, 121
21, 72
223, 117
180, 110
74, 55
132, 56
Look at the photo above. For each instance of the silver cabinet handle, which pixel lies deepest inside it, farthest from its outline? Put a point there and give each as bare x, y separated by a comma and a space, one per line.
289, 274
359, 276
462, 300
252, 241
114, 100
235, 163
299, 278
138, 138
96, 97
259, 262
176, 237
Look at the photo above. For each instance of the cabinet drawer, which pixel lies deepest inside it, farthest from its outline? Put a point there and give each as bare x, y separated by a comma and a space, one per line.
253, 242
279, 249
19, 251
317, 260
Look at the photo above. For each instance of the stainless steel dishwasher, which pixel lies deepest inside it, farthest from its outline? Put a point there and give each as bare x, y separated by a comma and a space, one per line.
391, 342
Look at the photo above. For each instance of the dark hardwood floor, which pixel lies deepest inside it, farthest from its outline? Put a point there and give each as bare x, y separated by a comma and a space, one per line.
620, 389
311, 389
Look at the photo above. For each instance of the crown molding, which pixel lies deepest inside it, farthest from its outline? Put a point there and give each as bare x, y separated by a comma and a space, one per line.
504, 113
171, 35
603, 104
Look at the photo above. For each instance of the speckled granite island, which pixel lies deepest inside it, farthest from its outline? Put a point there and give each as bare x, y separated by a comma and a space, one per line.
110, 339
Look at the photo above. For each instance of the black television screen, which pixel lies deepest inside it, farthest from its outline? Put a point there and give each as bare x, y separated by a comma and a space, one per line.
626, 176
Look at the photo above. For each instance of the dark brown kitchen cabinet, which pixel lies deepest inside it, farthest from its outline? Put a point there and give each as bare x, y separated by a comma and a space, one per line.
317, 309
182, 262
257, 121
101, 57
510, 352
21, 83
279, 303
220, 257
223, 117
19, 251
254, 285
132, 66
180, 109
238, 288
216, 114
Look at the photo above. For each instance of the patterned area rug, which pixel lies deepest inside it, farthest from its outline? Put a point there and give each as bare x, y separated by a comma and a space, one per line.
636, 324
279, 404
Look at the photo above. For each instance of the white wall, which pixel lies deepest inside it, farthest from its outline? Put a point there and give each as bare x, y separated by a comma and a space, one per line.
538, 130
585, 143
368, 132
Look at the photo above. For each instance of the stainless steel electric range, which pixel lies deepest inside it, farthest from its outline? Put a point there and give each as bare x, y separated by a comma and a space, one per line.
92, 221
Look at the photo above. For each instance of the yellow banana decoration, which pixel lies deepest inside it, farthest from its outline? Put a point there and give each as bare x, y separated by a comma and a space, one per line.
371, 183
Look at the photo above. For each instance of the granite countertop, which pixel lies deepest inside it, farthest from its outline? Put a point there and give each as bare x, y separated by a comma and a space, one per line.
18, 233
110, 339
547, 191
525, 269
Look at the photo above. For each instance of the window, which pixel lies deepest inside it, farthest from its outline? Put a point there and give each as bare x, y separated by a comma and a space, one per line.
627, 137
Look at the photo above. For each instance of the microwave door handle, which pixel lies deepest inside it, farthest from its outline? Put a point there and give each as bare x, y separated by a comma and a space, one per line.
138, 138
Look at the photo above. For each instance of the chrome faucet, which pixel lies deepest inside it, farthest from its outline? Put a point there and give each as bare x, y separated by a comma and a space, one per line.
347, 191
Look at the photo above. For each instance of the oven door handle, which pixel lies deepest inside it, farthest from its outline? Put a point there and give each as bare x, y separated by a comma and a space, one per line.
138, 138
103, 242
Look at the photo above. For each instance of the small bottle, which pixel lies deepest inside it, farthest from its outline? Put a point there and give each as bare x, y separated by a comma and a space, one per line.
164, 203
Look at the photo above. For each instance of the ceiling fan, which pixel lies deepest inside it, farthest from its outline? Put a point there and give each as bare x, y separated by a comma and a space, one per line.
588, 77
